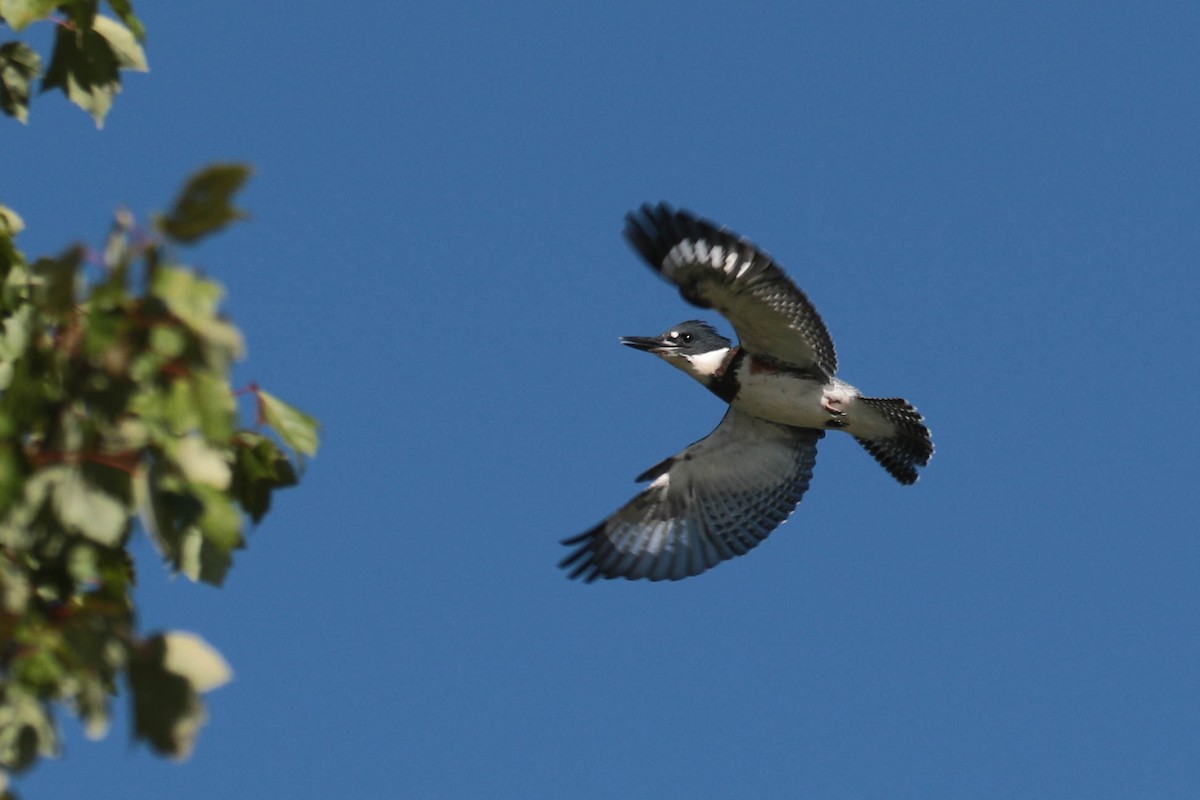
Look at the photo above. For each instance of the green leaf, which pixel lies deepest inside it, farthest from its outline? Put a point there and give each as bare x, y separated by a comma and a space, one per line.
26, 730
167, 711
205, 204
221, 522
166, 512
259, 468
89, 510
15, 334
195, 301
10, 222
191, 657
15, 589
297, 429
124, 10
167, 340
19, 13
80, 12
215, 404
124, 44
93, 705
201, 463
196, 527
20, 65
83, 563
221, 528
18, 526
168, 674
85, 68
60, 279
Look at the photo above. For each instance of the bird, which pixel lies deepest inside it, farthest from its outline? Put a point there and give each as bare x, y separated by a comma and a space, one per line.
723, 495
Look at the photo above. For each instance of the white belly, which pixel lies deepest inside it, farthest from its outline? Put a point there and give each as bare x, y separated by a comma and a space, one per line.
781, 397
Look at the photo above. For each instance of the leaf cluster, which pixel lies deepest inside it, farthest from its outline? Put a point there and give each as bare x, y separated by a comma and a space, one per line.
116, 406
90, 51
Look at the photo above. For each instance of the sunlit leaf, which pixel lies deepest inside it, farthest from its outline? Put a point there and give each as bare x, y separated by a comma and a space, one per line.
125, 48
19, 13
26, 730
297, 429
90, 510
168, 674
10, 222
83, 564
15, 588
196, 660
124, 10
93, 703
195, 300
215, 404
15, 333
203, 464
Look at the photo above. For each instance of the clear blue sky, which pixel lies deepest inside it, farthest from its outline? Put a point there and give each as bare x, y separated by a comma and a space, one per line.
995, 208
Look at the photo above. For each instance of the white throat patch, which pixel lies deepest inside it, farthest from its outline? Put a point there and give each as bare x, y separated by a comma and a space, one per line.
705, 365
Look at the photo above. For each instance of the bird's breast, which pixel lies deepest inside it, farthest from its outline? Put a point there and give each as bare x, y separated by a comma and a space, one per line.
780, 393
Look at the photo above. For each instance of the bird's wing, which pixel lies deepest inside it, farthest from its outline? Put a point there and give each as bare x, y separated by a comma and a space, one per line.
717, 499
714, 268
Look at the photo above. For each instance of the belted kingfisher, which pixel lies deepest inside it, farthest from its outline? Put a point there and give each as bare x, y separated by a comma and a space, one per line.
723, 495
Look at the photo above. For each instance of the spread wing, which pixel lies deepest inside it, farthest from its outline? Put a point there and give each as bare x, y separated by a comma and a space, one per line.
717, 499
714, 268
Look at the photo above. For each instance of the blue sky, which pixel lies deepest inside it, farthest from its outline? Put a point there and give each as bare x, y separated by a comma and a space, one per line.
995, 208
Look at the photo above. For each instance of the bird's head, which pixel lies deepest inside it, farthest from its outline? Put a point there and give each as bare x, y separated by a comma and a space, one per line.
693, 346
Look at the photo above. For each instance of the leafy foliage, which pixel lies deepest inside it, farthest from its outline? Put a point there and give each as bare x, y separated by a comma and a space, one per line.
116, 405
90, 51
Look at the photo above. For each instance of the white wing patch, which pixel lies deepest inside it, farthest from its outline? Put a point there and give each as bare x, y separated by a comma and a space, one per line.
690, 251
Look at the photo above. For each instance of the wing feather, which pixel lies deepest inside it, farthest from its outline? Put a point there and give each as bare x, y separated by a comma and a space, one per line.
717, 499
715, 268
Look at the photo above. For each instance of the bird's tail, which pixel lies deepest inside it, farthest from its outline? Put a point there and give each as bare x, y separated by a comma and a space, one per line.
894, 432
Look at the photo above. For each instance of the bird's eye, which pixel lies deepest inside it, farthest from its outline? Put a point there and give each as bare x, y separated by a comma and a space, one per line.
686, 338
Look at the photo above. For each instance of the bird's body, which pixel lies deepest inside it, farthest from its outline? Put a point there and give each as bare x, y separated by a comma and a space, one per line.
723, 495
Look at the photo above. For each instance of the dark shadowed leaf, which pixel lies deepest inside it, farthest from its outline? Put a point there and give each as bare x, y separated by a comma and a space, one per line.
85, 68
60, 277
206, 203
259, 469
19, 67
167, 674
166, 510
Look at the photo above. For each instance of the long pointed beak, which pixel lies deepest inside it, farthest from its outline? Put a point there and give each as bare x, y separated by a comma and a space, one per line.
648, 344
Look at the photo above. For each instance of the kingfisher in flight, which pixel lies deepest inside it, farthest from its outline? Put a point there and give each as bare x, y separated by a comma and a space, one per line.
723, 495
